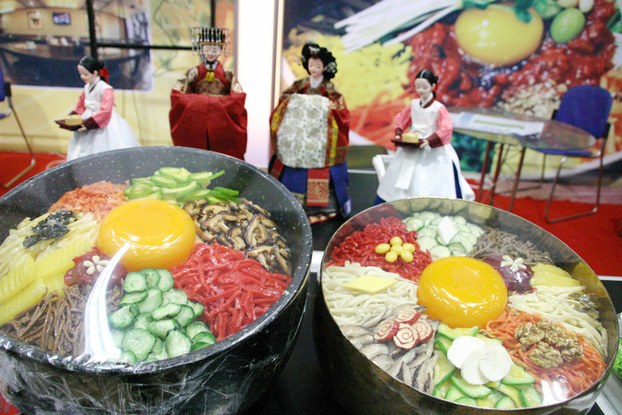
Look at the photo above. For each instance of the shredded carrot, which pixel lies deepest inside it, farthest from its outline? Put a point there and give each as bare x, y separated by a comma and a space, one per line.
234, 290
573, 377
98, 198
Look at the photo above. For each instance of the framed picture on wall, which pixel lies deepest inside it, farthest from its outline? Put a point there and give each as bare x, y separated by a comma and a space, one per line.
34, 20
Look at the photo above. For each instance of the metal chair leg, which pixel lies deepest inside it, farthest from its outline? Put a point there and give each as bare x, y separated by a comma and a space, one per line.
33, 160
592, 211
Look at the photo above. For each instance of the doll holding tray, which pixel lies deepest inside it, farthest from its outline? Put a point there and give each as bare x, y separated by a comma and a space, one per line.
425, 163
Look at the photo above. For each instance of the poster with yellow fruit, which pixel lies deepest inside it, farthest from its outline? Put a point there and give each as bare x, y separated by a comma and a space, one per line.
519, 56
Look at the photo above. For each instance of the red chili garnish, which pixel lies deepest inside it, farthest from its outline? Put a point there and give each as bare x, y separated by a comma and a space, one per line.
79, 275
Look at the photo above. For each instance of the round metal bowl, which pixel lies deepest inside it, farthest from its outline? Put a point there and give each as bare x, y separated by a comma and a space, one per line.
227, 377
364, 388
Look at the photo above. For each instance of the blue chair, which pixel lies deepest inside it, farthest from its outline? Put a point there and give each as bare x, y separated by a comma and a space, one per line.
6, 111
586, 107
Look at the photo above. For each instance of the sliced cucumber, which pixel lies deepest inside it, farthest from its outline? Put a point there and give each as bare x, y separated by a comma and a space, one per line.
465, 400
134, 281
161, 328
133, 297
518, 376
185, 315
443, 369
473, 391
453, 394
442, 343
175, 296
510, 391
152, 276
453, 334
529, 396
166, 280
177, 344
152, 301
127, 357
505, 403
168, 309
204, 337
140, 342
197, 308
122, 318
142, 321
195, 328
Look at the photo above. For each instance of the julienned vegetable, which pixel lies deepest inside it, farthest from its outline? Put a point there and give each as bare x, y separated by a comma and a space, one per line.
178, 185
156, 321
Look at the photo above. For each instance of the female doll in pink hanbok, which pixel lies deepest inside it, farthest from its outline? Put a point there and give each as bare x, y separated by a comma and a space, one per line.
102, 128
429, 167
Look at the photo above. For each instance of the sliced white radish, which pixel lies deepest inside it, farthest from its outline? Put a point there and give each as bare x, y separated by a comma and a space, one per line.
470, 368
463, 346
495, 362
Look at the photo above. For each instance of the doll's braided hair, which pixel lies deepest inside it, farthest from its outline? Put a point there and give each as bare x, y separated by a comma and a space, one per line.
313, 50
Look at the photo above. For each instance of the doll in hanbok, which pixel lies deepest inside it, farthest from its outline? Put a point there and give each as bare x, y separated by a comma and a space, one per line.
425, 163
100, 128
309, 132
207, 104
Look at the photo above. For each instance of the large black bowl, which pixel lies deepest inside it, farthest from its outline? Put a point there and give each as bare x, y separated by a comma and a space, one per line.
360, 385
225, 378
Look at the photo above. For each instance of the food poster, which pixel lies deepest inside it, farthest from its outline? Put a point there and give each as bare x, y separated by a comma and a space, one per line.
43, 52
540, 49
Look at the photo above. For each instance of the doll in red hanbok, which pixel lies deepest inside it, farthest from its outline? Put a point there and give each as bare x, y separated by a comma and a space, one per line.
101, 128
309, 132
207, 104
427, 164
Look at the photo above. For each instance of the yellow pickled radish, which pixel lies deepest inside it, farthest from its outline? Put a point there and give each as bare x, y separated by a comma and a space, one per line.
391, 256
382, 248
396, 240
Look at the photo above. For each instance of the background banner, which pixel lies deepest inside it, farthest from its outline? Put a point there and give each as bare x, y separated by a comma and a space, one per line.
523, 60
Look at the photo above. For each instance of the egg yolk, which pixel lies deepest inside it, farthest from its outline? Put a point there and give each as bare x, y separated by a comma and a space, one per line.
496, 36
462, 292
159, 234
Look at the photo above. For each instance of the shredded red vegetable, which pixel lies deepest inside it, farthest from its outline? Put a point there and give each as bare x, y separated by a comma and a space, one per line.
235, 290
360, 247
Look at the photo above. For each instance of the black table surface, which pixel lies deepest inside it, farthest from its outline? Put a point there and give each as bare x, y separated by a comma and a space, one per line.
300, 388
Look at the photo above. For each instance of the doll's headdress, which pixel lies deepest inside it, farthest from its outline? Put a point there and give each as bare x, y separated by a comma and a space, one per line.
210, 36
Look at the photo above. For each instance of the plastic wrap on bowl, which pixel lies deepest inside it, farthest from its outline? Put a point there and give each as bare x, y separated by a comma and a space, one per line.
439, 305
161, 280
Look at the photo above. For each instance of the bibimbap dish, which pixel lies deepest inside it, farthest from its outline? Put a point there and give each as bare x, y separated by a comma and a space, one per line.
165, 264
442, 304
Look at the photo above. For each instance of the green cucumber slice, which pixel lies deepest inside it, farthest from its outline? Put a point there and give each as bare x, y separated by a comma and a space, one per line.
134, 281
138, 341
177, 344
122, 318
473, 391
